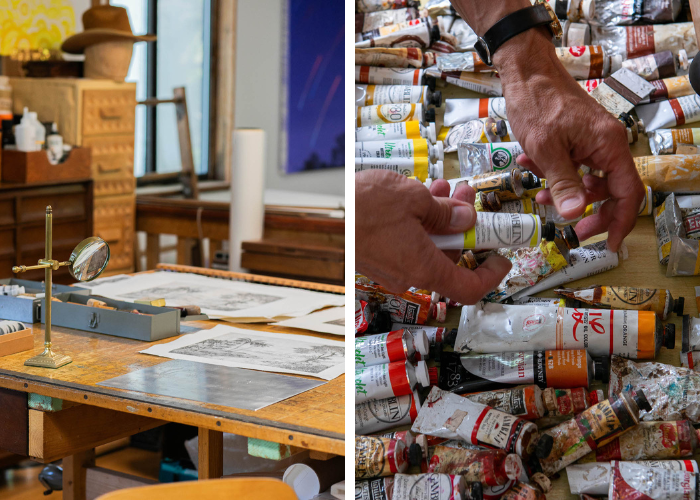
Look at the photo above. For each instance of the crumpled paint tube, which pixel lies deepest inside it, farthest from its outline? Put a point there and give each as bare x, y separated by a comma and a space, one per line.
672, 391
596, 426
464, 35
369, 319
659, 301
398, 345
691, 223
432, 486
450, 416
684, 259
438, 8
480, 130
378, 457
530, 266
564, 402
668, 222
488, 467
375, 489
407, 307
631, 481
535, 489
670, 173
463, 110
368, 21
670, 88
657, 66
524, 402
584, 62
389, 29
491, 327
382, 414
583, 262
390, 76
390, 380
462, 61
479, 158
666, 141
637, 41
649, 441
377, 5
664, 114
483, 83
594, 478
691, 334
396, 57
417, 33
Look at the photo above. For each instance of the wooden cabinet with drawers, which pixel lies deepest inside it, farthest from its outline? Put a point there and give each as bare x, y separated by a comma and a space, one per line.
99, 114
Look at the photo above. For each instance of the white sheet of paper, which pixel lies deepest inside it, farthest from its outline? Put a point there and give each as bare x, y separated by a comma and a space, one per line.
327, 321
220, 297
257, 350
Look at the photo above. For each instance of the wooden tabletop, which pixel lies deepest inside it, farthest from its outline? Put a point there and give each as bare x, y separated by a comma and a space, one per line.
641, 269
314, 419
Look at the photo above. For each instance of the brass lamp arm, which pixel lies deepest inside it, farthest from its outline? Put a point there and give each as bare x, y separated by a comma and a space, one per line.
43, 264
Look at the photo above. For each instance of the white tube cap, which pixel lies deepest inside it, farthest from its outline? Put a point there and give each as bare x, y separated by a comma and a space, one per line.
428, 182
420, 340
422, 374
432, 135
683, 60
587, 9
439, 146
303, 480
436, 171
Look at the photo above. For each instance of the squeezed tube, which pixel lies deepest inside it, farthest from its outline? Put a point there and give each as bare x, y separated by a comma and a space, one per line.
584, 62
524, 402
370, 95
413, 129
417, 33
496, 230
388, 29
377, 457
659, 65
377, 5
670, 88
397, 57
474, 131
389, 76
420, 168
393, 379
399, 345
403, 148
659, 301
668, 222
669, 113
482, 83
449, 416
565, 402
631, 481
666, 141
462, 61
436, 334
432, 486
464, 110
491, 327
382, 414
637, 41
367, 21
684, 259
375, 489
479, 158
407, 307
595, 427
670, 173
691, 334
488, 467
509, 185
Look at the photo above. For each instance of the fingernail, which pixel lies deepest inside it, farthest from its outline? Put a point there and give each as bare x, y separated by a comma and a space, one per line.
462, 216
571, 203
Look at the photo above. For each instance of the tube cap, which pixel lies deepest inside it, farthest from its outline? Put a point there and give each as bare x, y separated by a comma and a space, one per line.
450, 338
513, 466
433, 373
381, 322
420, 340
528, 180
430, 81
601, 369
432, 135
422, 374
544, 446
571, 237
640, 399
587, 9
548, 231
440, 148
542, 482
441, 312
436, 98
474, 491
437, 171
501, 128
430, 115
669, 336
685, 336
434, 33
683, 62
678, 305
415, 454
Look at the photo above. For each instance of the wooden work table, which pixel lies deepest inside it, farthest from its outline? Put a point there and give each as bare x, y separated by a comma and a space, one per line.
313, 420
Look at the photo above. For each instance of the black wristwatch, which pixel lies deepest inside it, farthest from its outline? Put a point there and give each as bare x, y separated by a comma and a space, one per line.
540, 14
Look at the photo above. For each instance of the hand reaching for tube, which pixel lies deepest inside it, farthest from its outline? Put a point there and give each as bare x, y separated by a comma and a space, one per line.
394, 217
560, 128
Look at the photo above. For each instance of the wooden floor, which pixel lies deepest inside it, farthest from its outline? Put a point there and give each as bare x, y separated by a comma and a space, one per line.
22, 483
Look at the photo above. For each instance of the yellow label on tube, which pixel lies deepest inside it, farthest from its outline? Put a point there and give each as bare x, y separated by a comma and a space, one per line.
420, 168
420, 148
413, 129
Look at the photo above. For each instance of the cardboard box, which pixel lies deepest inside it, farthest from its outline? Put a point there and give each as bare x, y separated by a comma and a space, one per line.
34, 166
12, 343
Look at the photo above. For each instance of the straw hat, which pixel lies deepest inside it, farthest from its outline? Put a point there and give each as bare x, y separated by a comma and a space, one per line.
103, 23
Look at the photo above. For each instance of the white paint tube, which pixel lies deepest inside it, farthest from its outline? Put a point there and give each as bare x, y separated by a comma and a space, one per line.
413, 129
645, 208
447, 415
463, 110
421, 168
573, 10
385, 381
383, 414
666, 141
417, 33
375, 489
540, 301
483, 83
370, 95
432, 486
377, 5
402, 148
576, 34
637, 41
669, 113
393, 113
481, 130
584, 62
583, 262
492, 328
389, 76
462, 61
383, 348
633, 481
388, 29
436, 334
479, 158
657, 66
594, 478
372, 20
498, 230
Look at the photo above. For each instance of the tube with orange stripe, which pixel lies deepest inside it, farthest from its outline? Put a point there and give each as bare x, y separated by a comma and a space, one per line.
393, 113
669, 113
393, 379
399, 345
584, 62
375, 75
603, 332
498, 230
379, 457
371, 95
464, 110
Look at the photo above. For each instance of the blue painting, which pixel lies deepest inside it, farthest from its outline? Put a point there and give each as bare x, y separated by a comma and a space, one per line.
314, 119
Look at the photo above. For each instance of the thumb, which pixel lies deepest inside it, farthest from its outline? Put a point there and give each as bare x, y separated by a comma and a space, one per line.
448, 216
566, 187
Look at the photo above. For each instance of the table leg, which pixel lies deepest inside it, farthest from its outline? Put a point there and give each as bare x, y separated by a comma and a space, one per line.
74, 471
211, 454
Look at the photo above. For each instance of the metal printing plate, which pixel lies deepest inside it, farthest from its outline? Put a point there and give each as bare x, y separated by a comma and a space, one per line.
220, 385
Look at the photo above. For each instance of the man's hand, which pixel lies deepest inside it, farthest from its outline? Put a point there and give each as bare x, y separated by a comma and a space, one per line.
394, 216
560, 128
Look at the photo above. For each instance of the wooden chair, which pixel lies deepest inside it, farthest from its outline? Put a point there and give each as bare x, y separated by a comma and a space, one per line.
212, 489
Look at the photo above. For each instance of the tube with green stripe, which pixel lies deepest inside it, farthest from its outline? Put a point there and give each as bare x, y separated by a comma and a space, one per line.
498, 230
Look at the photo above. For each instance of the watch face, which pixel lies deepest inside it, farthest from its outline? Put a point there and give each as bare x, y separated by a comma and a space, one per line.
555, 25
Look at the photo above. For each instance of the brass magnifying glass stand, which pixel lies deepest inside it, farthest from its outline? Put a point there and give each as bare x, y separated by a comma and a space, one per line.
87, 262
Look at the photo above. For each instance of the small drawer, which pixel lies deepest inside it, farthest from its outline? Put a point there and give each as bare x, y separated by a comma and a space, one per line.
108, 112
115, 187
66, 201
111, 156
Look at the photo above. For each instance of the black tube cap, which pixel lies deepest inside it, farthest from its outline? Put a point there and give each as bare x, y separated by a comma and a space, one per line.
381, 322
571, 237
415, 454
528, 180
430, 115
549, 231
434, 34
450, 338
501, 128
436, 98
669, 336
430, 81
474, 491
601, 369
685, 336
640, 399
544, 446
678, 305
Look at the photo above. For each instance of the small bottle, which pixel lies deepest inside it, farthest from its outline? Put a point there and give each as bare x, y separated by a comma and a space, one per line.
39, 131
25, 133
54, 145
